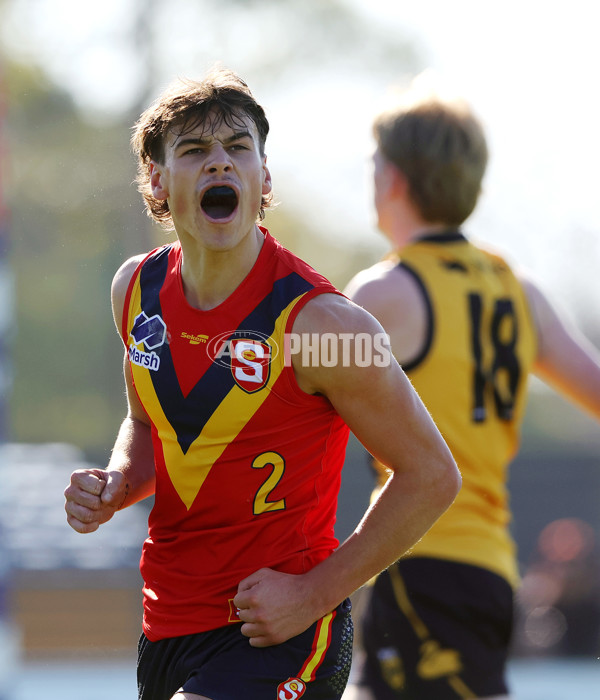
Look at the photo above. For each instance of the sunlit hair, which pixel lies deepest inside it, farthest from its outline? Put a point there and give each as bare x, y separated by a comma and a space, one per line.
221, 97
440, 147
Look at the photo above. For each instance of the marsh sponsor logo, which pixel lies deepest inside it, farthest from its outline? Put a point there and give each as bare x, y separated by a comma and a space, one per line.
152, 332
148, 360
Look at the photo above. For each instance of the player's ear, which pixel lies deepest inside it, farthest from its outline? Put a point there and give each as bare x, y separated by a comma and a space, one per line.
267, 183
398, 181
158, 181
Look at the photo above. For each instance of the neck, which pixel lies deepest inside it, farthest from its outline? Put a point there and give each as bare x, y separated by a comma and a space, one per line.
210, 276
405, 227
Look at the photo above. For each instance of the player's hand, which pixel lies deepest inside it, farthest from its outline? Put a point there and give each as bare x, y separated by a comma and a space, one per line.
273, 607
92, 498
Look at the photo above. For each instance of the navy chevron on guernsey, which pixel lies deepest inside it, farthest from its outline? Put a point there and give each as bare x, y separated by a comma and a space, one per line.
214, 385
209, 432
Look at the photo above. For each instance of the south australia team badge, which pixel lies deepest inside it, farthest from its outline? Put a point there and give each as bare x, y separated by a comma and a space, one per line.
290, 690
250, 363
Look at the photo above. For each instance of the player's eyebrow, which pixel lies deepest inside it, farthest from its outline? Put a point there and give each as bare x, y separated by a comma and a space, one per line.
204, 141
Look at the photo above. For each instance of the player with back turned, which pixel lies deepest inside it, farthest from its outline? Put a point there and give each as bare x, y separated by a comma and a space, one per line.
468, 330
241, 441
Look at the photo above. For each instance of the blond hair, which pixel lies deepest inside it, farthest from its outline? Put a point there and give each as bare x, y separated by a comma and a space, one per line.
440, 147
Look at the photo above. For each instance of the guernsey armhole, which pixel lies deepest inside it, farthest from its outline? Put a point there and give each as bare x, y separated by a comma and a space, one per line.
289, 374
422, 354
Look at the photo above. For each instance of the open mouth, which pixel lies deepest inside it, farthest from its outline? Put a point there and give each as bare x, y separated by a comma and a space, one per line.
219, 202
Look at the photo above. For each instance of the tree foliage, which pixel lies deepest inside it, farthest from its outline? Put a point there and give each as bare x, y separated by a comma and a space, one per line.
74, 218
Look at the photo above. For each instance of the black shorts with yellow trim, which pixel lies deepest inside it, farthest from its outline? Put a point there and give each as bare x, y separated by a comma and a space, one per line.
436, 630
221, 664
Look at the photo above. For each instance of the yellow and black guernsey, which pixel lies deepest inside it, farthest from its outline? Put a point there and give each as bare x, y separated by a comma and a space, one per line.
248, 466
472, 376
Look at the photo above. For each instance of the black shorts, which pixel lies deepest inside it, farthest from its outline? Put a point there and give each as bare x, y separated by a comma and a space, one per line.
436, 630
222, 665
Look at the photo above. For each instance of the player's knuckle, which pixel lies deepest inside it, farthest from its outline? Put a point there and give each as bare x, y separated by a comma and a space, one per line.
86, 516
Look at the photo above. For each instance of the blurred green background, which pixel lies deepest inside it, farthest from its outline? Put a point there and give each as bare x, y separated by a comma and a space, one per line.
73, 78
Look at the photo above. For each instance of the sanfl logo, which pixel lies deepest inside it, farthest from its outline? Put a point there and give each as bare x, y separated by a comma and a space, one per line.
290, 690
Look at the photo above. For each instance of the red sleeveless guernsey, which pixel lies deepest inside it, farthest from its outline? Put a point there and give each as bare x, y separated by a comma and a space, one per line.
248, 466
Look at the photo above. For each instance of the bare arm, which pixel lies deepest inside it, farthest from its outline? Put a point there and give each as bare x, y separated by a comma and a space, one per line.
94, 495
133, 454
566, 360
385, 413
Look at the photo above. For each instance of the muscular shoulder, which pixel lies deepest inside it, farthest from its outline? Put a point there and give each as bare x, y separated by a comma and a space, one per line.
120, 284
382, 285
333, 332
334, 313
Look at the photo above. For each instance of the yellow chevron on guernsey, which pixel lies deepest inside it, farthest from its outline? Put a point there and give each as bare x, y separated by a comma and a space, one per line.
189, 471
